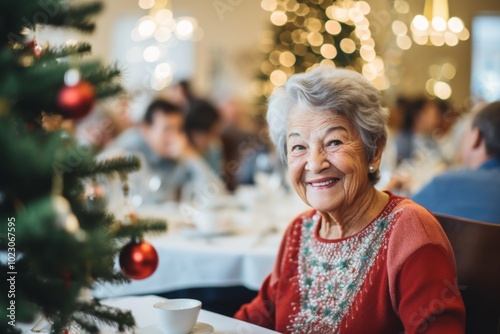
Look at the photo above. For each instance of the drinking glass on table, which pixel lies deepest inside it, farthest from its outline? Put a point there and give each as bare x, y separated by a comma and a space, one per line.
267, 174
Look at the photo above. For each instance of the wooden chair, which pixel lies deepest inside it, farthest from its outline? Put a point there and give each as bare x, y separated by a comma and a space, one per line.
477, 252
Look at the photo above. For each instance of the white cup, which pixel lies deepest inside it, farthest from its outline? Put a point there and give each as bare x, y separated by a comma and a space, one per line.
177, 316
211, 221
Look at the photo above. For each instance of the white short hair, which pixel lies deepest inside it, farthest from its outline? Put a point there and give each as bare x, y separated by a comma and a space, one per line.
338, 91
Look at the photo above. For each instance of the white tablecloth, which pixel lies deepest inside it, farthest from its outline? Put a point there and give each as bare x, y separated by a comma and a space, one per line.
146, 321
145, 317
244, 257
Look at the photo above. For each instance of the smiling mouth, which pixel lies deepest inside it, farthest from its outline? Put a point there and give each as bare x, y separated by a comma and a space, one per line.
323, 183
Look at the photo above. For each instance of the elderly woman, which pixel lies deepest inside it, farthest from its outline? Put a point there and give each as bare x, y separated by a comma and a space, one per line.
362, 261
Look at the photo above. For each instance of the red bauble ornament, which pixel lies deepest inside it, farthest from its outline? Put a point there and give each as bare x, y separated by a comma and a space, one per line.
37, 48
76, 101
67, 279
138, 260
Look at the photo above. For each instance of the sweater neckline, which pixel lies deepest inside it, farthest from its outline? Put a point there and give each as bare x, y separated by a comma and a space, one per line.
388, 208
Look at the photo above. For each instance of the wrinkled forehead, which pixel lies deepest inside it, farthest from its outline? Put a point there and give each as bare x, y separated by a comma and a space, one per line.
316, 119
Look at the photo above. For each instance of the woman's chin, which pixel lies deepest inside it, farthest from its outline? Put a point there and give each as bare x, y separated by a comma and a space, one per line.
323, 203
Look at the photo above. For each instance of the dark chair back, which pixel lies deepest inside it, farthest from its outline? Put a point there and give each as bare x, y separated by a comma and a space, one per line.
477, 252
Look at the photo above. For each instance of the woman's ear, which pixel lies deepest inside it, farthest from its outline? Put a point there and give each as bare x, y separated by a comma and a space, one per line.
377, 158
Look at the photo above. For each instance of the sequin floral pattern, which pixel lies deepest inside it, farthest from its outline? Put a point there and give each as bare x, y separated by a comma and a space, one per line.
331, 274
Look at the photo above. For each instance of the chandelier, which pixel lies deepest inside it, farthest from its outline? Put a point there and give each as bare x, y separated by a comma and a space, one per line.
436, 27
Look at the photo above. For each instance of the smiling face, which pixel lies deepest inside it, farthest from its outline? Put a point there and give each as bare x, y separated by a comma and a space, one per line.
326, 159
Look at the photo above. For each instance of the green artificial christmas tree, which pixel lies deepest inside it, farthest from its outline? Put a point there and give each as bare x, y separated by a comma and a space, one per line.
308, 33
56, 242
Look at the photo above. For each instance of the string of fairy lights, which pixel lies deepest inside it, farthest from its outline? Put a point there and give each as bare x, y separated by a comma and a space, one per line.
314, 33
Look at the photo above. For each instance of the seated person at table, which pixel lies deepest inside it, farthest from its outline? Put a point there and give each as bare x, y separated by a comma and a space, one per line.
203, 128
473, 193
171, 161
362, 260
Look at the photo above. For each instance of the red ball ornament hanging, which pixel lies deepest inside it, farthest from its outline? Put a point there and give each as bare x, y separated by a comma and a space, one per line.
138, 260
37, 48
76, 101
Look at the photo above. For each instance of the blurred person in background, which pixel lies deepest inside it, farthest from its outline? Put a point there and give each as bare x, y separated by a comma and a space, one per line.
420, 145
105, 122
98, 129
472, 193
180, 93
410, 110
203, 128
394, 127
244, 140
171, 163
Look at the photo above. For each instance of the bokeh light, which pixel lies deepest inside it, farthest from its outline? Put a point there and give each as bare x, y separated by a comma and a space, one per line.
278, 77
151, 54
399, 28
328, 51
439, 23
442, 90
333, 27
146, 4
268, 5
455, 25
404, 42
184, 28
287, 59
448, 71
315, 38
146, 28
278, 18
420, 22
347, 45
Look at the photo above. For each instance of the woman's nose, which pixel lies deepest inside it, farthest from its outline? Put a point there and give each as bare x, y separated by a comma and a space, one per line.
317, 161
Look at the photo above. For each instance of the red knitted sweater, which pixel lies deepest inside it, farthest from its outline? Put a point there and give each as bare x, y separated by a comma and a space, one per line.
397, 275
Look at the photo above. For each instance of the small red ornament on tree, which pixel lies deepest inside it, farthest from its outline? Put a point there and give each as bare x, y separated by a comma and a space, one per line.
138, 260
37, 48
77, 97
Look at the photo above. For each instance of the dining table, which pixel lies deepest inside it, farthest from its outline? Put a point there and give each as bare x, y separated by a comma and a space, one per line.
147, 322
242, 253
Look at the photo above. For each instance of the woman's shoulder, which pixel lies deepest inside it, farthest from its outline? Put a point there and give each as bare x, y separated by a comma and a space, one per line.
416, 222
414, 227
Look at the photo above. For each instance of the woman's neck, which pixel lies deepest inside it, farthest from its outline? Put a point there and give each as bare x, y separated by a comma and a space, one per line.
358, 215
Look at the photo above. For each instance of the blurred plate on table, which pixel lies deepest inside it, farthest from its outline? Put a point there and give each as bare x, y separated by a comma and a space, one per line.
199, 328
195, 233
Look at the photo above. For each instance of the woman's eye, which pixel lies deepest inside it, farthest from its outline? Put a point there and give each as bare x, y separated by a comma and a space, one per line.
335, 143
297, 148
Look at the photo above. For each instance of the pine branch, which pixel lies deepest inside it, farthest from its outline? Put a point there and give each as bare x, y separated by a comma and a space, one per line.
79, 49
77, 17
94, 73
109, 166
99, 218
104, 314
108, 90
86, 325
112, 278
141, 227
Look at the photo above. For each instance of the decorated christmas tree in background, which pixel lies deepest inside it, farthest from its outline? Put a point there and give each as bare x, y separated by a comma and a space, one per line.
56, 239
306, 34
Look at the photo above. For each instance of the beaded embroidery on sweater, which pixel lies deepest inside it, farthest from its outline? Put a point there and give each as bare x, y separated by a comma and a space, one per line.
330, 275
